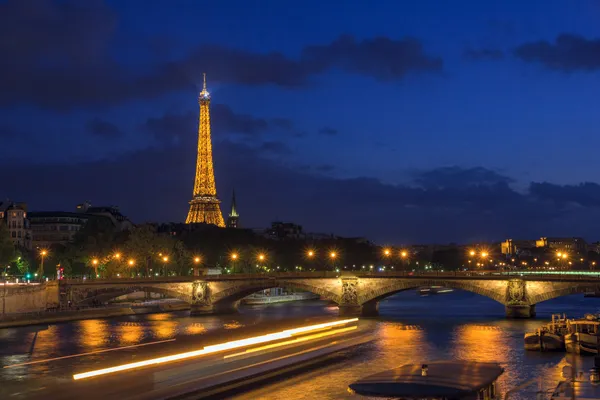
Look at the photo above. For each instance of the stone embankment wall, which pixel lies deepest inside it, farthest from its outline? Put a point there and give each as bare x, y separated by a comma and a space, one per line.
29, 298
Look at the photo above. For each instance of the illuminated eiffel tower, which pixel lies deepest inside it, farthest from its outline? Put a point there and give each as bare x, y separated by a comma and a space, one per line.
204, 206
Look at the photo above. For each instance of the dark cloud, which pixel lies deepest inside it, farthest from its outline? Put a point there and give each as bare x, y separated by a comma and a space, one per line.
325, 168
105, 129
484, 54
585, 194
8, 132
328, 131
381, 57
453, 177
457, 210
568, 53
172, 128
59, 55
274, 147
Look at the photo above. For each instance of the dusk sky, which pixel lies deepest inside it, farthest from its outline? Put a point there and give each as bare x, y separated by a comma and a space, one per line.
400, 121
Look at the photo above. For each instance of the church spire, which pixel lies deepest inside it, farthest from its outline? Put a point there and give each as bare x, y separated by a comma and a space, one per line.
232, 221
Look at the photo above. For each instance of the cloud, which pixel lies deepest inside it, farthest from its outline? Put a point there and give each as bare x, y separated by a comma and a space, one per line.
382, 58
568, 53
101, 128
171, 128
325, 168
443, 205
453, 177
585, 194
60, 57
275, 147
484, 54
328, 131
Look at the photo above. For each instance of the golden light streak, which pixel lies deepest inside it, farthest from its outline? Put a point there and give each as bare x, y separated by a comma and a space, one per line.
213, 349
86, 354
297, 340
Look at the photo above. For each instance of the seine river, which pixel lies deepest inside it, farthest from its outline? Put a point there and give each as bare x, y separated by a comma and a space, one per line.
411, 328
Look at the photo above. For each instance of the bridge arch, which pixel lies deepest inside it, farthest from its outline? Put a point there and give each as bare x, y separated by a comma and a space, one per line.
370, 299
559, 290
107, 293
232, 295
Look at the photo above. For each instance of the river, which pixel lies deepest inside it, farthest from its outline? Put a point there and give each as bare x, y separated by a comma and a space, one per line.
458, 325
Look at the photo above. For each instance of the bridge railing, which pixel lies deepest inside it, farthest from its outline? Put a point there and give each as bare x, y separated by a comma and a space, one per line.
332, 274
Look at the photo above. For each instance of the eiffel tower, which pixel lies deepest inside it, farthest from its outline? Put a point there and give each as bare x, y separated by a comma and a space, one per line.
204, 206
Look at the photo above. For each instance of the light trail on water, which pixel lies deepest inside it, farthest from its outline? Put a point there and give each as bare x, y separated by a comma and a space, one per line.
86, 354
215, 348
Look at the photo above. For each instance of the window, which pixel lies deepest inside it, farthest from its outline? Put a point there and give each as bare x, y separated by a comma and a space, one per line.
19, 234
14, 234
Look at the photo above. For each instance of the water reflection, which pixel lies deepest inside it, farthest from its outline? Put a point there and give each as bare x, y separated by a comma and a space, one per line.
92, 333
129, 333
195, 329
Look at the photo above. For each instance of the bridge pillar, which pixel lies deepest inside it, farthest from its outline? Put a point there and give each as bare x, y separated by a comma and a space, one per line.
349, 305
520, 311
517, 303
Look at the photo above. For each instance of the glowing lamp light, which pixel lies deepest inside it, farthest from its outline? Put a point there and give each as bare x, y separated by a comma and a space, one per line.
165, 259
131, 262
333, 254
386, 252
310, 253
403, 254
196, 260
234, 256
261, 257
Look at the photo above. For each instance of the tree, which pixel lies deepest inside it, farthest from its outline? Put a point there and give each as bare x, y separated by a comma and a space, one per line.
7, 248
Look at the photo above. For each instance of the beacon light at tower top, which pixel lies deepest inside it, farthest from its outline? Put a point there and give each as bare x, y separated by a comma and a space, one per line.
215, 348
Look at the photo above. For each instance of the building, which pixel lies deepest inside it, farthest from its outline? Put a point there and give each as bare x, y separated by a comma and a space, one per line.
512, 247
232, 220
569, 245
60, 227
205, 206
55, 227
119, 221
16, 218
285, 230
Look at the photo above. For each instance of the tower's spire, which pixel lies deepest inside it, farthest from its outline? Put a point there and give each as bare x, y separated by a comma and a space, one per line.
233, 212
204, 95
232, 221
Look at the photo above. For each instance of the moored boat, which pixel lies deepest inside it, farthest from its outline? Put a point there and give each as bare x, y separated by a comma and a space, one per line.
550, 337
583, 336
439, 380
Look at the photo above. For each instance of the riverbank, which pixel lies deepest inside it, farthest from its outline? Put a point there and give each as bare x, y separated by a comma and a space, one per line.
52, 317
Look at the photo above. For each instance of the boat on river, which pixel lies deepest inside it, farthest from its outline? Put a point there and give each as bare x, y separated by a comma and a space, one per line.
583, 336
427, 290
439, 380
277, 295
550, 337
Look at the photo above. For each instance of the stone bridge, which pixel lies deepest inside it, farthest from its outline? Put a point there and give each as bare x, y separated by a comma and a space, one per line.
353, 293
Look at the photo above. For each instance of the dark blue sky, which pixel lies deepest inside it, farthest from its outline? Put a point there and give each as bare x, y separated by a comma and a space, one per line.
404, 121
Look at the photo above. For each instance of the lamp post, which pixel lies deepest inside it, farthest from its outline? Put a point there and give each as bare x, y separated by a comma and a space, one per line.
197, 261
95, 265
43, 254
333, 256
165, 261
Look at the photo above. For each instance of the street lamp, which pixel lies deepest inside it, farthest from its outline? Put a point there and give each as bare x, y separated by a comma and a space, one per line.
131, 262
165, 260
261, 257
43, 254
95, 264
484, 254
386, 252
472, 253
234, 256
118, 255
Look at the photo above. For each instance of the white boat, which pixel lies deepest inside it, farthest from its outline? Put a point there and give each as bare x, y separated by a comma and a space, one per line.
271, 296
